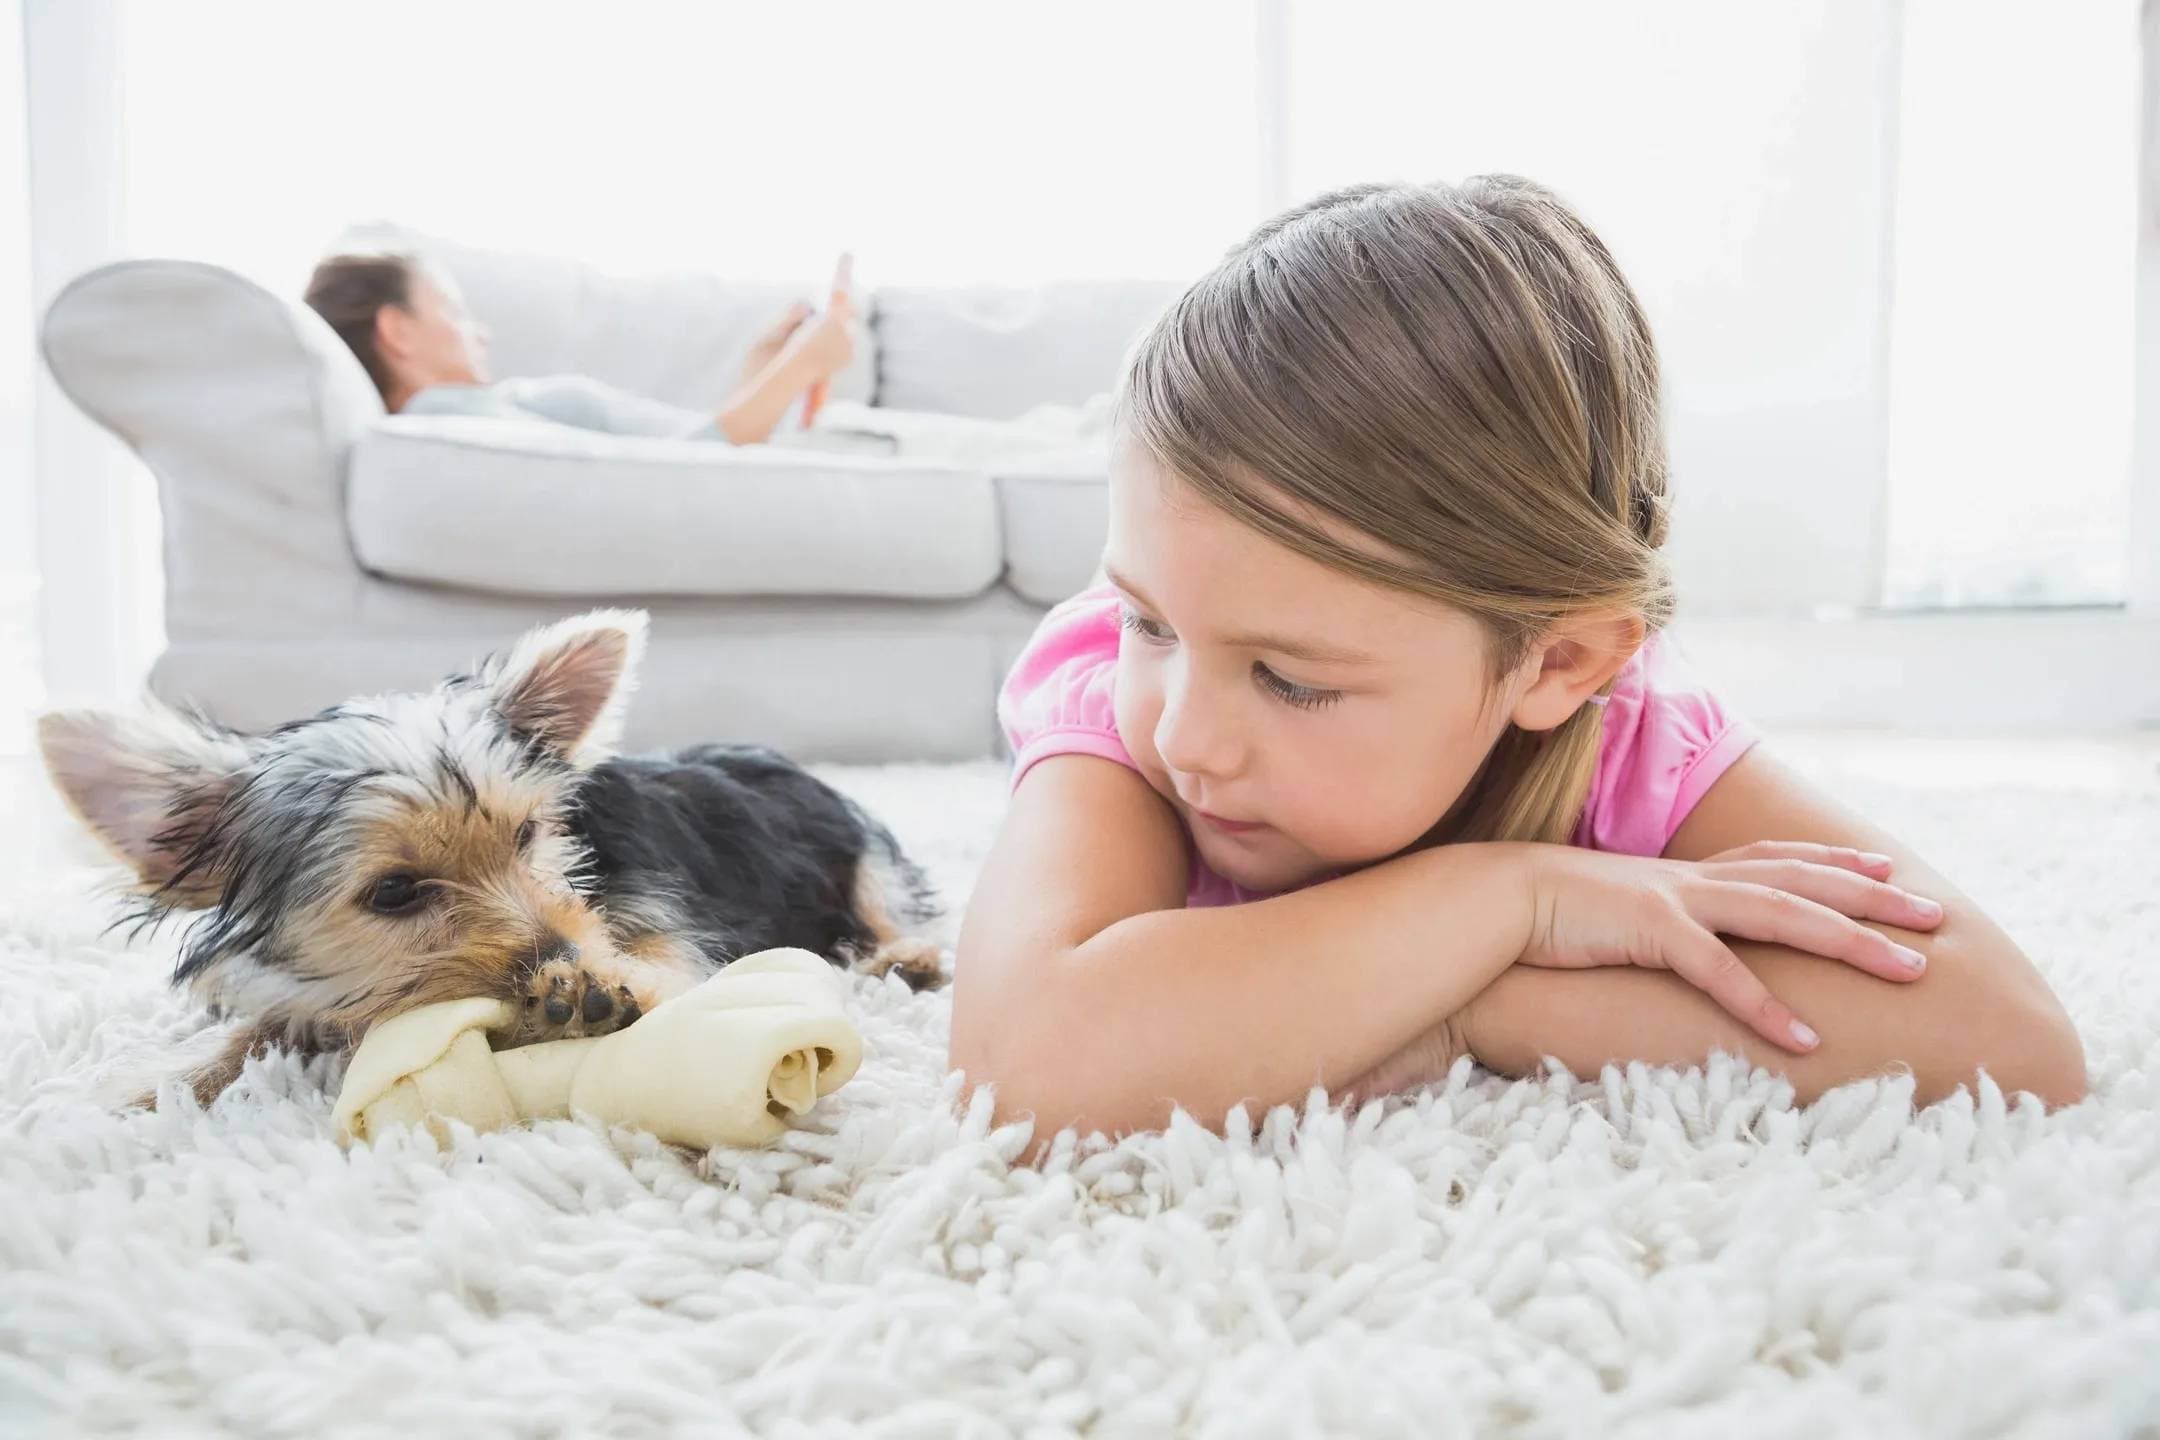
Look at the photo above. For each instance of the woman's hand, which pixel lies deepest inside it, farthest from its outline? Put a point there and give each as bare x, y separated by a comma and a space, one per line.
1592, 908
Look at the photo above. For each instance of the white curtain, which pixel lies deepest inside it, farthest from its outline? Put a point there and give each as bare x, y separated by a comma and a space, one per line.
21, 685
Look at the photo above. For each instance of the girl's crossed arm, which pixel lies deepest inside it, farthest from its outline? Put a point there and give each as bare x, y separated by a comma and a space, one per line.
1980, 1002
1092, 997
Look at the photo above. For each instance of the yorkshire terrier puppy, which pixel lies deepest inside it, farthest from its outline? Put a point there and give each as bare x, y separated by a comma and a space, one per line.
478, 839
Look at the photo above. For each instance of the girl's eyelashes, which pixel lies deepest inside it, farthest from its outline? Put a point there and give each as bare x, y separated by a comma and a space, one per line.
1146, 629
1302, 696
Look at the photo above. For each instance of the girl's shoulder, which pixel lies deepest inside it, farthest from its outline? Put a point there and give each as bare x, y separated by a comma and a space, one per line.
1060, 695
1668, 736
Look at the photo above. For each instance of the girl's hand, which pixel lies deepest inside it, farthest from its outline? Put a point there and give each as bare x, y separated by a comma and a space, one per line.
1592, 908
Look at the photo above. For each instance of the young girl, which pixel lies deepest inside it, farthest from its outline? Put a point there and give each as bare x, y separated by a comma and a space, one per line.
1372, 751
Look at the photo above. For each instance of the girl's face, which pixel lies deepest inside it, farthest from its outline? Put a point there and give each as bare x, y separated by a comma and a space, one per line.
1333, 721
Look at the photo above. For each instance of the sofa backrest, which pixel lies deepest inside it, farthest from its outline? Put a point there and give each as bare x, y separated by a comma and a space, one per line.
997, 351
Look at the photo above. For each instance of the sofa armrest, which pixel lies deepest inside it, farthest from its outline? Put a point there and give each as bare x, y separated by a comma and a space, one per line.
245, 406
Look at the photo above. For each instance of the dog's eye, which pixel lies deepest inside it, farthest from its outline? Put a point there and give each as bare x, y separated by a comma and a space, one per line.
525, 834
395, 895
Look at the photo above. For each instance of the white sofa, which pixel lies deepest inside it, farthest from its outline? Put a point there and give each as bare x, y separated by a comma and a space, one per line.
840, 606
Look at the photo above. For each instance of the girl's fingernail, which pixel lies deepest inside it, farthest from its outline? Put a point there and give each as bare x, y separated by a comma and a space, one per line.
1808, 1038
1911, 959
1927, 907
1871, 859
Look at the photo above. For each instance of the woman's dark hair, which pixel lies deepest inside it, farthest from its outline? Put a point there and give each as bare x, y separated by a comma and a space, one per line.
350, 290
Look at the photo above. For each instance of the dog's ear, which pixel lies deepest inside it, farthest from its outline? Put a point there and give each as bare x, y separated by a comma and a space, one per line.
568, 684
149, 785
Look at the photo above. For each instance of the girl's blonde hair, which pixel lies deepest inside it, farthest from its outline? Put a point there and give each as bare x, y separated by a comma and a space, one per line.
1461, 374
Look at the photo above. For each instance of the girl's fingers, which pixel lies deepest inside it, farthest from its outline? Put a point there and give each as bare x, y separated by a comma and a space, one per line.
1765, 912
1710, 965
1843, 857
1843, 890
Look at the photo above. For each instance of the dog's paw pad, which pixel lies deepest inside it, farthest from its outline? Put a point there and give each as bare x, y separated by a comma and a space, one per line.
562, 1001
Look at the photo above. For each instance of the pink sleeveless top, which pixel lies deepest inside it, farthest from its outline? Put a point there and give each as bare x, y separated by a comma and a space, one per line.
1667, 736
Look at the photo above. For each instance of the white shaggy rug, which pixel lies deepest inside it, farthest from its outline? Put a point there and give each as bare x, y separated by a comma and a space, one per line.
1641, 1254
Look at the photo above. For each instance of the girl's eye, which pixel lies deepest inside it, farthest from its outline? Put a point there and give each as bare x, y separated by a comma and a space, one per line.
1147, 630
395, 895
1302, 696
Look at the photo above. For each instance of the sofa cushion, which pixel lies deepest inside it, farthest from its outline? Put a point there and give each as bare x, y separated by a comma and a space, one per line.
679, 337
1055, 514
996, 352
537, 509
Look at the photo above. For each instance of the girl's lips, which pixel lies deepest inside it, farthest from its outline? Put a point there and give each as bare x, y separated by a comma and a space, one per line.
1233, 827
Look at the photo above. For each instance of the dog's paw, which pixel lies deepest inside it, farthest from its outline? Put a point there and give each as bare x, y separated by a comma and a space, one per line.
917, 961
562, 1000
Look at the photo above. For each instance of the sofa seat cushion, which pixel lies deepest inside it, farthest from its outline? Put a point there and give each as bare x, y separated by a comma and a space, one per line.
537, 509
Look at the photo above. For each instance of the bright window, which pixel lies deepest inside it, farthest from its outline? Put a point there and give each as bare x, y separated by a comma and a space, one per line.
2012, 324
945, 144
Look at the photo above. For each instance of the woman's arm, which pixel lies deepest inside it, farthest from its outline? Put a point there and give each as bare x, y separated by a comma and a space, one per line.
1092, 997
1979, 1003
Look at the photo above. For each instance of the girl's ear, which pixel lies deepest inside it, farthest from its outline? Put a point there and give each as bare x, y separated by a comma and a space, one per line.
1572, 663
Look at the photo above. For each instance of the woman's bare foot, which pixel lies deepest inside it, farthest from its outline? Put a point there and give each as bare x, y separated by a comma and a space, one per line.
769, 344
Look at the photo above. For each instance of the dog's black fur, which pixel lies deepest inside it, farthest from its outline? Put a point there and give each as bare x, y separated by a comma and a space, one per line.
754, 851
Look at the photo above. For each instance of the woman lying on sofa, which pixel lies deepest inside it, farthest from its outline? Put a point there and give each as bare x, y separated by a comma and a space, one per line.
405, 320
403, 317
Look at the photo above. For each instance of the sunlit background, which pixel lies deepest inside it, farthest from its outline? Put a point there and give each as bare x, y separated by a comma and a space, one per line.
1942, 188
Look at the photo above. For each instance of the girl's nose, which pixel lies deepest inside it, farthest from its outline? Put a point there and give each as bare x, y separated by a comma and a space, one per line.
1193, 736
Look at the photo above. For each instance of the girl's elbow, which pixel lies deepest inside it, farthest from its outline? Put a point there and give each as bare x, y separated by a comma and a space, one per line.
2023, 1040
1021, 1096
996, 1048
2038, 1049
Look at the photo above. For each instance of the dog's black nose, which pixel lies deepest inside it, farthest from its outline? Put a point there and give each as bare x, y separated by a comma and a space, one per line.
598, 1004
